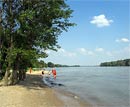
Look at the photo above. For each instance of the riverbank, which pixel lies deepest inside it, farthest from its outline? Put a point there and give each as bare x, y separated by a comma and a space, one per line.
32, 92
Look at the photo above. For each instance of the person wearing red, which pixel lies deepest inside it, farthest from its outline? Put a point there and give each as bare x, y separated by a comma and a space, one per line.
54, 73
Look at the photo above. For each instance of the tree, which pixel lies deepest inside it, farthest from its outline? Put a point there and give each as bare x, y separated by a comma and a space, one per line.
125, 62
28, 29
39, 64
50, 64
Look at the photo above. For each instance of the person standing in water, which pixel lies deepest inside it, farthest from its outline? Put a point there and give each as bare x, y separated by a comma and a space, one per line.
54, 73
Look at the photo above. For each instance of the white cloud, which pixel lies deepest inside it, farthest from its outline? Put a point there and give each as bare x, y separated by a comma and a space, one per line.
85, 56
121, 53
90, 53
101, 21
63, 52
71, 54
99, 49
83, 51
109, 53
48, 51
123, 40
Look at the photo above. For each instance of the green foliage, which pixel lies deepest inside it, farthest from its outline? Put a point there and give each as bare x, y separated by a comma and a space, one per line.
50, 64
39, 64
59, 65
125, 62
27, 29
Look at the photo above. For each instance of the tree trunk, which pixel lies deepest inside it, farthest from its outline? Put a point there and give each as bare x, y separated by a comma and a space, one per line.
6, 77
23, 74
20, 75
13, 78
5, 80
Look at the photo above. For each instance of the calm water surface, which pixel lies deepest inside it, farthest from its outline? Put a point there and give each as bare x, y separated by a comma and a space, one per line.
101, 86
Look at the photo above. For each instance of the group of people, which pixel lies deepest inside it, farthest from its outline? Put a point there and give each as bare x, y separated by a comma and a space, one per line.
48, 73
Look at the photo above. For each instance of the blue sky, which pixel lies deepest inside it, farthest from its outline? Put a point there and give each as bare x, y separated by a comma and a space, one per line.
101, 34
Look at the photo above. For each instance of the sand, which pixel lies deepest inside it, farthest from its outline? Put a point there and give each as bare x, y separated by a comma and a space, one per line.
32, 92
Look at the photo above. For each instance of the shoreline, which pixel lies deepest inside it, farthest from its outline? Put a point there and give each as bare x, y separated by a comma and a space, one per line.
71, 99
68, 98
32, 92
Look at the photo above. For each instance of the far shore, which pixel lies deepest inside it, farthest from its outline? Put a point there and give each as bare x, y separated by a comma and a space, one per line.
32, 92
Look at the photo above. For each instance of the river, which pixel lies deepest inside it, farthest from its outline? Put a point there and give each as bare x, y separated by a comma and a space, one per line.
101, 86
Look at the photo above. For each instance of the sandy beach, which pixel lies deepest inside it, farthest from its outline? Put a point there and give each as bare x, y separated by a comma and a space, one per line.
32, 92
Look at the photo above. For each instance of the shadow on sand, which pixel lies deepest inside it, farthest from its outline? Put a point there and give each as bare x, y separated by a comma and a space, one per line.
33, 82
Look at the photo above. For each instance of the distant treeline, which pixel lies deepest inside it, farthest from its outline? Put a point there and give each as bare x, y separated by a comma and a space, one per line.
42, 64
125, 62
59, 65
50, 64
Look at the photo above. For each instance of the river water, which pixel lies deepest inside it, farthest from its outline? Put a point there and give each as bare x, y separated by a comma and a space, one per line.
101, 86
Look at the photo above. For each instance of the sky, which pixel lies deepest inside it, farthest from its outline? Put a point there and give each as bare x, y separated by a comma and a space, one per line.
101, 33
